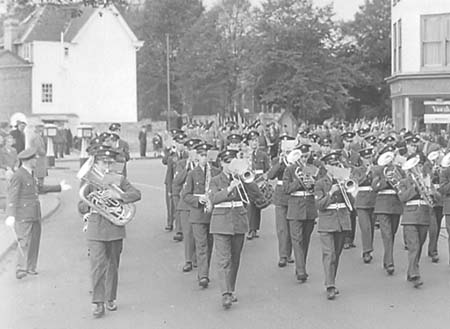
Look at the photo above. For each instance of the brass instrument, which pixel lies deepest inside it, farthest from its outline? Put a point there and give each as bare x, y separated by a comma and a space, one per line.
306, 176
208, 206
391, 171
435, 157
341, 176
445, 162
117, 212
240, 172
422, 183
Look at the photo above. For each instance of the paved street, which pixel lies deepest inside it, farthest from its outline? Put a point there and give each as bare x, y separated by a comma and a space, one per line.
154, 293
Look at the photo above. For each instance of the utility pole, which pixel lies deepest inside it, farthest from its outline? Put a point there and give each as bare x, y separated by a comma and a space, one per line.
168, 80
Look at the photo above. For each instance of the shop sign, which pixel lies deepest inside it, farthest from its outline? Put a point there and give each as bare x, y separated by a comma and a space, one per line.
437, 112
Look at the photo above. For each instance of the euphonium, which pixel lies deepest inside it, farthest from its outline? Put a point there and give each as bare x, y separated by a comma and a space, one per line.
423, 184
115, 211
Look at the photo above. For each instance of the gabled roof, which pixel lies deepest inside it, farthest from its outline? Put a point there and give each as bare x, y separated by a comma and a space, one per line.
9, 59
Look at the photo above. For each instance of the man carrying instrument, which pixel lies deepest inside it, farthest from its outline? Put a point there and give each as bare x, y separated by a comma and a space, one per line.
444, 190
418, 212
388, 207
184, 166
196, 195
23, 210
105, 239
298, 183
281, 202
334, 222
260, 164
365, 203
229, 224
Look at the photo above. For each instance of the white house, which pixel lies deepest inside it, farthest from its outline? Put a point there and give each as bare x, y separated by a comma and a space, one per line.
420, 80
83, 62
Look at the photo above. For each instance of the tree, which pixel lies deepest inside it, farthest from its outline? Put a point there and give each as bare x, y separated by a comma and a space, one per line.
294, 60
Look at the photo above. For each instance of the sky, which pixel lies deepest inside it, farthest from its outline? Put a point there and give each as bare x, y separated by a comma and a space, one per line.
344, 9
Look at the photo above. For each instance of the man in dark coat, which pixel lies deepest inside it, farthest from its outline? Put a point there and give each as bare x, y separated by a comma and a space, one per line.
19, 136
143, 141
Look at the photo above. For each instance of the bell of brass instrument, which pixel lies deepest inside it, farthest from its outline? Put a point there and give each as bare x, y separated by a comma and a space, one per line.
117, 212
346, 185
445, 162
423, 184
391, 172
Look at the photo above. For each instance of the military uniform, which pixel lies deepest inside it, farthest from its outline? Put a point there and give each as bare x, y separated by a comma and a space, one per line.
444, 189
388, 209
280, 200
301, 216
435, 225
23, 204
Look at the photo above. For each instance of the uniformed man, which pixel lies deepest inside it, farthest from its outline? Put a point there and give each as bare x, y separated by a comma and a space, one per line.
301, 213
365, 203
184, 166
260, 164
23, 211
334, 222
234, 142
195, 194
121, 146
229, 224
388, 207
444, 190
105, 239
415, 220
435, 226
280, 200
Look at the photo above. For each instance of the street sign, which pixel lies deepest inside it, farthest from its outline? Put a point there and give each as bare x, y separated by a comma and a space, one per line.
437, 112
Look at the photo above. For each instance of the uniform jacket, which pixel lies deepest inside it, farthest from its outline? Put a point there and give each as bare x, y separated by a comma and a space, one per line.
37, 142
351, 158
195, 184
23, 201
100, 228
384, 203
170, 160
330, 220
124, 151
179, 178
413, 214
299, 207
280, 198
366, 199
444, 189
260, 161
226, 220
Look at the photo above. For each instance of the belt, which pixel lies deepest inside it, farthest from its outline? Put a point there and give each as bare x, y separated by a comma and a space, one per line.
199, 195
416, 203
259, 171
229, 204
301, 193
387, 192
365, 188
336, 206
279, 182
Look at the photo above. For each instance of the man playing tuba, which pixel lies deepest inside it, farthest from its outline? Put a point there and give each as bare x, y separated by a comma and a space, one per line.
105, 239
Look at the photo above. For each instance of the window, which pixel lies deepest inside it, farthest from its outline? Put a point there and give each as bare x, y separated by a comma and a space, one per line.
394, 47
436, 41
399, 45
66, 51
47, 93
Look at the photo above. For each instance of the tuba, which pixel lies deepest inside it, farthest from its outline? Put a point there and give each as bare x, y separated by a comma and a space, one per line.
422, 183
390, 172
115, 211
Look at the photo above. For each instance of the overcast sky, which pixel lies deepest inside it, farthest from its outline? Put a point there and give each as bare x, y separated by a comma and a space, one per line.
345, 9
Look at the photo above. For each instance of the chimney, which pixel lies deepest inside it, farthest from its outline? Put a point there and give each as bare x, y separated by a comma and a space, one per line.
10, 32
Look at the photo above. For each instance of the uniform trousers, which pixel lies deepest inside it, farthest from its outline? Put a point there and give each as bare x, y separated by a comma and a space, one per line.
29, 238
366, 219
351, 234
176, 214
228, 250
188, 237
104, 258
301, 235
447, 226
388, 227
203, 248
170, 207
254, 217
435, 230
415, 236
332, 245
283, 232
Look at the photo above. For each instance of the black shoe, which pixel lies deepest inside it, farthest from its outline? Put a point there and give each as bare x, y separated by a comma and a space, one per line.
346, 245
187, 267
255, 234
111, 306
99, 310
282, 262
203, 282
168, 228
302, 278
435, 259
390, 269
20, 274
331, 293
352, 245
417, 282
227, 301
290, 260
178, 237
367, 258
250, 235
233, 298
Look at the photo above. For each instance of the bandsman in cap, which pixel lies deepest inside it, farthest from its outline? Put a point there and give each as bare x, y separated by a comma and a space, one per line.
229, 224
120, 145
301, 211
388, 207
280, 200
172, 155
23, 211
184, 166
105, 239
195, 194
234, 142
37, 142
334, 222
260, 164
